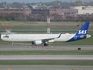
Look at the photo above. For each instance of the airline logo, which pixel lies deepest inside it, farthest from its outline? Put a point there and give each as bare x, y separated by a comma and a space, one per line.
82, 32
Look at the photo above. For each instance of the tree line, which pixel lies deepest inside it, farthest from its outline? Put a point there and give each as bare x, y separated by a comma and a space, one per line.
52, 4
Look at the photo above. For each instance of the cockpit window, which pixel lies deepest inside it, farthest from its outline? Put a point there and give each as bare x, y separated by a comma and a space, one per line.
6, 36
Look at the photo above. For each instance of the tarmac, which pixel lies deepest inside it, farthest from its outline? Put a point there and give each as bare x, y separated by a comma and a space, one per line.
64, 47
46, 57
44, 67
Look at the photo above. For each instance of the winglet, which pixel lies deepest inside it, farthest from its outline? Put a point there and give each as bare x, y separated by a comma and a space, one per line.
59, 35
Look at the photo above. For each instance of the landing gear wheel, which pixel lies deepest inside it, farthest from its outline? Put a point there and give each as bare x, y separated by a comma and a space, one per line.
45, 44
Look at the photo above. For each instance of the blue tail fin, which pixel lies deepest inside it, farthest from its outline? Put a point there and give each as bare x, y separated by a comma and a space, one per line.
84, 29
81, 33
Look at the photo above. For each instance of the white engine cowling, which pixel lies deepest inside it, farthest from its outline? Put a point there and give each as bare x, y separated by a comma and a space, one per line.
37, 42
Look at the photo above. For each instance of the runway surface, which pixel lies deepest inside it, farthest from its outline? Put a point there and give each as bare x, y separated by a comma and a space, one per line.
69, 47
45, 57
44, 67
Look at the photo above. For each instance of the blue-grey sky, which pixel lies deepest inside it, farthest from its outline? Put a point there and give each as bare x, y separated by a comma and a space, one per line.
37, 0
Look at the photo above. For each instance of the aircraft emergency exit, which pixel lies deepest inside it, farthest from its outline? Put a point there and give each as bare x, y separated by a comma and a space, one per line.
39, 39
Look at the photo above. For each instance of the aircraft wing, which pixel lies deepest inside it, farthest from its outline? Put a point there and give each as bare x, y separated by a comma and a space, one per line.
46, 40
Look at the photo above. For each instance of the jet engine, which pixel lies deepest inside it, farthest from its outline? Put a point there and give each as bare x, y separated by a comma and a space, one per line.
37, 42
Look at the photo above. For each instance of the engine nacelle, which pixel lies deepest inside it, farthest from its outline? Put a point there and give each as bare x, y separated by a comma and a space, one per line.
37, 42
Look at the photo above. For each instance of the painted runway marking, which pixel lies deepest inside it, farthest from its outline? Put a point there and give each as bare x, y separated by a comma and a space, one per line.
9, 69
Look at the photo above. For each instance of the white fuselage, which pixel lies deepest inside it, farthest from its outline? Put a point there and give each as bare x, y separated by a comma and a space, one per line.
33, 37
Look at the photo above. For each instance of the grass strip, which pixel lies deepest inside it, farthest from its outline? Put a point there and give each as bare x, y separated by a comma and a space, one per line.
48, 52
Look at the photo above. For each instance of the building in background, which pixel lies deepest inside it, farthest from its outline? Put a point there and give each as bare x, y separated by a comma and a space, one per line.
55, 11
84, 9
40, 11
15, 10
69, 11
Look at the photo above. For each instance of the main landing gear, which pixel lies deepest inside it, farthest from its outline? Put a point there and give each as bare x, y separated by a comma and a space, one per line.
45, 44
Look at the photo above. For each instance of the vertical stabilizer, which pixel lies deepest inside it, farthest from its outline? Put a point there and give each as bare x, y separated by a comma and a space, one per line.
84, 29
81, 33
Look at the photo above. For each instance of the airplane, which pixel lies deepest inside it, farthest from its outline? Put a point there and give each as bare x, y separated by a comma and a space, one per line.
43, 39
